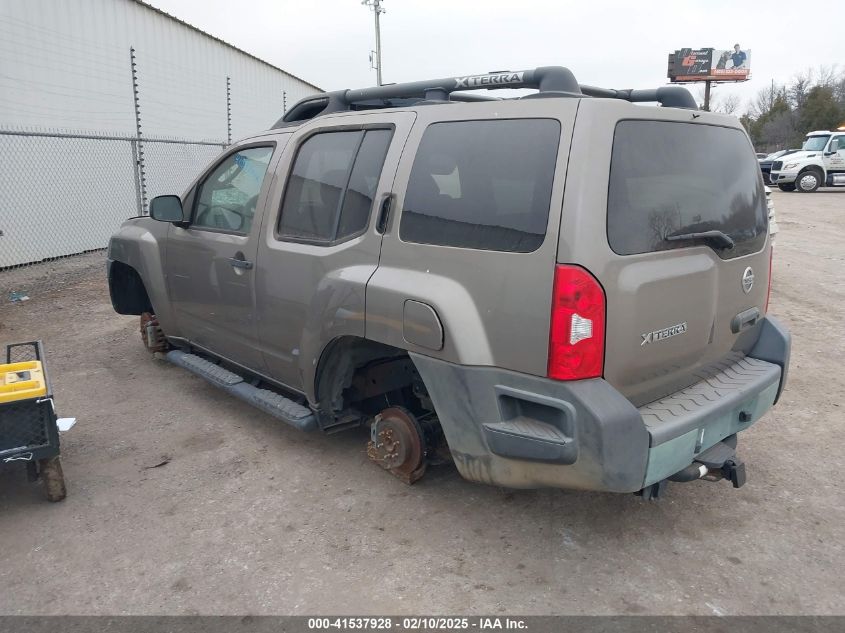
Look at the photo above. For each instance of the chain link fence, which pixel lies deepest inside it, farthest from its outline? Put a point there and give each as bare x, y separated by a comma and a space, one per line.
64, 193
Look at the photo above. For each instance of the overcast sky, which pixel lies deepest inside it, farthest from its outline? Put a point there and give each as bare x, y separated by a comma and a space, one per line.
609, 43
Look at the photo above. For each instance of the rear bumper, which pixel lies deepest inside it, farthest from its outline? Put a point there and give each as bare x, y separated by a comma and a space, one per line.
522, 431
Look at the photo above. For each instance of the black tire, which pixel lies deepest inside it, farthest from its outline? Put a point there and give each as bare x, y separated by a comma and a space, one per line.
808, 181
53, 477
789, 186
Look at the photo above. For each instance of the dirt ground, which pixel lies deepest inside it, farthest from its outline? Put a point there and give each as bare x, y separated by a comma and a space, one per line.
250, 516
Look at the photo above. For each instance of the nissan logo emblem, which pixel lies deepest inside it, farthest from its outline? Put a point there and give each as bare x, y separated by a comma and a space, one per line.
747, 280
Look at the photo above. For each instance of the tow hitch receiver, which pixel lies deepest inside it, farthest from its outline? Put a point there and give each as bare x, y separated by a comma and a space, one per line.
721, 462
717, 462
735, 471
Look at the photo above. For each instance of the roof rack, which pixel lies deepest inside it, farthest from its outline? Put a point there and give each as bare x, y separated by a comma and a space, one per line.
549, 81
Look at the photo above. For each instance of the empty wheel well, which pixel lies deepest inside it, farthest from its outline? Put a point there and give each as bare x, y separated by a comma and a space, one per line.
127, 291
357, 378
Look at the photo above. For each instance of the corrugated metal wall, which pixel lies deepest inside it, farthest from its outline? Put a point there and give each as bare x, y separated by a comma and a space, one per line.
65, 63
73, 168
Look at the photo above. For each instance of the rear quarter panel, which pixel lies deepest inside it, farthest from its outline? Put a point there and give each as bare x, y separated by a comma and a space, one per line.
494, 306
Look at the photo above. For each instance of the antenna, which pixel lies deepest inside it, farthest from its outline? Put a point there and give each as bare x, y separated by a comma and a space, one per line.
375, 5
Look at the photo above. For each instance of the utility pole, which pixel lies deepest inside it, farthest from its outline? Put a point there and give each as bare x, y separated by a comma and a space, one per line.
375, 5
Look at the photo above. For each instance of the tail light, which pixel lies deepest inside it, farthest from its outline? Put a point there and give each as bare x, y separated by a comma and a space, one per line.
576, 335
769, 290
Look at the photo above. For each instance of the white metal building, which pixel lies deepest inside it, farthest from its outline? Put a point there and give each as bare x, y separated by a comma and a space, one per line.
66, 63
75, 166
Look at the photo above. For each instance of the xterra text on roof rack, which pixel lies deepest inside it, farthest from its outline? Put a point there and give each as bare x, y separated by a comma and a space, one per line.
568, 288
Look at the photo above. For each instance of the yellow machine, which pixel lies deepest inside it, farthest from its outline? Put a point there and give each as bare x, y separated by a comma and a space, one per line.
19, 381
29, 427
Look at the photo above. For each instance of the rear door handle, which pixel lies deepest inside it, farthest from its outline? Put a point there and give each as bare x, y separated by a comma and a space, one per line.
384, 213
240, 263
744, 319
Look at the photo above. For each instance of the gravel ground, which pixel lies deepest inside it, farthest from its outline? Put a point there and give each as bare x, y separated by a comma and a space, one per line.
248, 515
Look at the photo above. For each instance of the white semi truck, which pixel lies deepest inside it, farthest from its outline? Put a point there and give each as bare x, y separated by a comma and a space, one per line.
820, 163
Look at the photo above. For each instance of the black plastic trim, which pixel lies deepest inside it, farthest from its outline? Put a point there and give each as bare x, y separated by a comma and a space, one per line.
551, 81
773, 346
607, 433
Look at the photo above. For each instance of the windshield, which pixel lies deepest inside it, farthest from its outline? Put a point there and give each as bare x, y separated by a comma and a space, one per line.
815, 143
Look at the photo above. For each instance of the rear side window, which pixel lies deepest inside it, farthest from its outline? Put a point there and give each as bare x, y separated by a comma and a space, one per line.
329, 194
482, 184
669, 179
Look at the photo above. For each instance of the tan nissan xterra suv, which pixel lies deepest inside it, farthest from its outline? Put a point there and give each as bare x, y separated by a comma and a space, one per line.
566, 288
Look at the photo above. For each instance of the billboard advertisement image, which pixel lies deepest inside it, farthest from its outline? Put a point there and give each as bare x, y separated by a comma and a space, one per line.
733, 63
693, 63
710, 64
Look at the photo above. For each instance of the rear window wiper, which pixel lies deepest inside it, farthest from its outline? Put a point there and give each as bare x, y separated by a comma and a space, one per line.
717, 238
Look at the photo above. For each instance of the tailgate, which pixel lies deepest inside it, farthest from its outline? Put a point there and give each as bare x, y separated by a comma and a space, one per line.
679, 303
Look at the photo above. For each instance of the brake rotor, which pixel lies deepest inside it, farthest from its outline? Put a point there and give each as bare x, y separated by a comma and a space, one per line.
396, 444
152, 334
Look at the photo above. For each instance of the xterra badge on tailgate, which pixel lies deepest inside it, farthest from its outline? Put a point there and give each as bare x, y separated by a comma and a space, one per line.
659, 335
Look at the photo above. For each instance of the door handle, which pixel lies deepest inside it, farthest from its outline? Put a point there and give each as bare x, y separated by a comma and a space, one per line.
744, 320
384, 213
240, 263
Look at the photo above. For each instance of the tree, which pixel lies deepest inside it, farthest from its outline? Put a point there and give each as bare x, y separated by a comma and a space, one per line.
821, 110
779, 131
780, 115
727, 104
765, 100
774, 128
800, 87
747, 122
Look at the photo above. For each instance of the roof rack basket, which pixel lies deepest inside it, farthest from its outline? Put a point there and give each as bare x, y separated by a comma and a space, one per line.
549, 81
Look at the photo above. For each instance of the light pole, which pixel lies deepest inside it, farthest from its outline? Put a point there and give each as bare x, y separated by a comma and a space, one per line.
377, 10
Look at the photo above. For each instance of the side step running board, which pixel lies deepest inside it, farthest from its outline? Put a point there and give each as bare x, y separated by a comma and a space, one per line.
268, 401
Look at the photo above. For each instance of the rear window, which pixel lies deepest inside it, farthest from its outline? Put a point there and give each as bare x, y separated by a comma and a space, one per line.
482, 184
669, 179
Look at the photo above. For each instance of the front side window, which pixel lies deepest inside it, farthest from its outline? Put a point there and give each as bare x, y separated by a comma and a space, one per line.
670, 179
330, 191
482, 184
227, 199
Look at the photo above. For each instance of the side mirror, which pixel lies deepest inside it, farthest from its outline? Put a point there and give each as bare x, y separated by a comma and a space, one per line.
834, 146
166, 209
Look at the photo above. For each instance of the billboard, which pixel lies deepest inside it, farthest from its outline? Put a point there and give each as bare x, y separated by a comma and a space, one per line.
710, 64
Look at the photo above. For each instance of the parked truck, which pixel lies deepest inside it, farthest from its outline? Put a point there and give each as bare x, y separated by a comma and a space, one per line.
820, 163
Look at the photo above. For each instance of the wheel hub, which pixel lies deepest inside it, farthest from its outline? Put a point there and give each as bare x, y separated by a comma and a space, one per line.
396, 444
152, 334
808, 181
